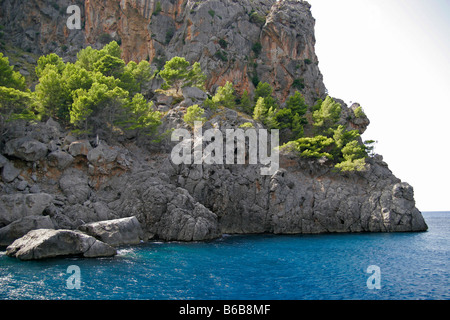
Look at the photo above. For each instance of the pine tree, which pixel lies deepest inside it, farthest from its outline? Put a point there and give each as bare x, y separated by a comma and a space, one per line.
260, 111
196, 78
224, 97
8, 77
297, 126
175, 73
297, 104
15, 104
141, 115
194, 113
15, 100
264, 90
52, 59
53, 99
271, 121
246, 104
327, 116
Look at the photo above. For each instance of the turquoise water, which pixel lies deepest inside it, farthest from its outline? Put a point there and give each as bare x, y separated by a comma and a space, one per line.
333, 266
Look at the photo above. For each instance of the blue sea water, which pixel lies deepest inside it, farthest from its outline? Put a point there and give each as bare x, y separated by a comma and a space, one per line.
269, 267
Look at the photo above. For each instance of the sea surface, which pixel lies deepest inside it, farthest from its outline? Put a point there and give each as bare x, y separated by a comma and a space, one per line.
402, 266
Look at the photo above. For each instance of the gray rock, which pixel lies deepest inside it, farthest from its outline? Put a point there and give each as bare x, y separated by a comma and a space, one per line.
74, 184
46, 243
35, 189
52, 123
3, 161
162, 99
125, 231
26, 149
80, 214
61, 221
82, 148
10, 172
102, 155
194, 94
102, 212
303, 198
22, 226
16, 206
167, 212
60, 159
22, 185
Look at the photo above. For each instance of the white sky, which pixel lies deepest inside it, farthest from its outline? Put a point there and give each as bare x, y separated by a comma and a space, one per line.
392, 56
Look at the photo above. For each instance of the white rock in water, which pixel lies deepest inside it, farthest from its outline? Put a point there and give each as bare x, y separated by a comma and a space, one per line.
47, 243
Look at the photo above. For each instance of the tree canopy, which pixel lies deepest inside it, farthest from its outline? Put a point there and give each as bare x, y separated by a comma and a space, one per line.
99, 86
15, 100
179, 73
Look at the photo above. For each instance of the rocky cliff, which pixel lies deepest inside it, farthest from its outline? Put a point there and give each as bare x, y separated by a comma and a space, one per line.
240, 41
72, 182
53, 179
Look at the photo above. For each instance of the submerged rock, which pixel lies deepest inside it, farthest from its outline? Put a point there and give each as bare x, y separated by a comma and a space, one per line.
45, 243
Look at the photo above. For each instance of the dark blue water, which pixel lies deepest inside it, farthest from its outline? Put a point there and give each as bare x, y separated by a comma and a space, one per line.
412, 266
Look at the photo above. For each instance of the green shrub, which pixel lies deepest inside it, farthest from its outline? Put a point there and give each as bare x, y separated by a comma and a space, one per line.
158, 9
284, 118
299, 84
247, 125
15, 104
256, 48
359, 113
224, 97
265, 90
260, 111
8, 77
257, 18
311, 147
223, 43
352, 165
255, 79
169, 35
105, 38
222, 55
194, 113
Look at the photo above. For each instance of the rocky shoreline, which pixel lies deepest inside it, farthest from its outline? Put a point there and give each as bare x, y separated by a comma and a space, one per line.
67, 194
97, 197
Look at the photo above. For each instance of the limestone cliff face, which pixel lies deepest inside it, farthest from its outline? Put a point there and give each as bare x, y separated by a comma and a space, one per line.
240, 41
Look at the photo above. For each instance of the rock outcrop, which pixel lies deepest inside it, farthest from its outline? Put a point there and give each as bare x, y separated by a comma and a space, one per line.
45, 243
16, 206
125, 231
21, 227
